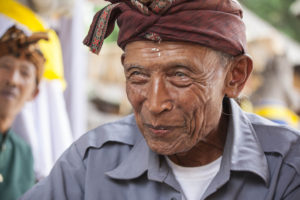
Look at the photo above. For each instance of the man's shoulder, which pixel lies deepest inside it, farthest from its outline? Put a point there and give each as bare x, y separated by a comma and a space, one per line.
277, 139
121, 132
266, 130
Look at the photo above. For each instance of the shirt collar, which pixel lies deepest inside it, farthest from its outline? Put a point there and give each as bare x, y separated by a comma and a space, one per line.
246, 152
134, 165
142, 159
242, 152
4, 136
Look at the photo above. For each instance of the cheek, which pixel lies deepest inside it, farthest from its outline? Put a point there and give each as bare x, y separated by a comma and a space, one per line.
27, 90
201, 112
136, 96
210, 108
198, 105
193, 100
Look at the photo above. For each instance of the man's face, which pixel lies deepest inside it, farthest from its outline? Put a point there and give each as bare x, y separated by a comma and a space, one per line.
17, 84
176, 90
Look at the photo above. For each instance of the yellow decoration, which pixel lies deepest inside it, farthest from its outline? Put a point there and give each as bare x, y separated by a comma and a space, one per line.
53, 55
281, 113
51, 49
246, 105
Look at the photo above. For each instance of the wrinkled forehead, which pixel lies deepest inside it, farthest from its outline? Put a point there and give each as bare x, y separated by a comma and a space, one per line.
166, 54
168, 50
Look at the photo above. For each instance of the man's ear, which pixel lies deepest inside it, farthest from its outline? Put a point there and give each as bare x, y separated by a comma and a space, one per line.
237, 75
122, 58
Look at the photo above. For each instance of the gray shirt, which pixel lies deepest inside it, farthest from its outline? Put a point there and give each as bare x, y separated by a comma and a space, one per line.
261, 161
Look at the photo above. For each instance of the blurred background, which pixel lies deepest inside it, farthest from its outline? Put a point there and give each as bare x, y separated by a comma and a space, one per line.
82, 91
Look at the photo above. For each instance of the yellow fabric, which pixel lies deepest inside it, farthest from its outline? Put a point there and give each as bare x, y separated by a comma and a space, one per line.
246, 105
53, 55
51, 49
275, 112
21, 14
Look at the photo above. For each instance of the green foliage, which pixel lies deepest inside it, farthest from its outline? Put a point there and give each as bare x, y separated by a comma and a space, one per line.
277, 13
113, 37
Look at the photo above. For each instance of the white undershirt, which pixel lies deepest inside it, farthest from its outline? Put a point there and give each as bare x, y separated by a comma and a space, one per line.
195, 180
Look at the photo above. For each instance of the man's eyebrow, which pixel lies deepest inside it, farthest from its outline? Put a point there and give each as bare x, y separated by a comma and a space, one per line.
187, 66
6, 62
133, 66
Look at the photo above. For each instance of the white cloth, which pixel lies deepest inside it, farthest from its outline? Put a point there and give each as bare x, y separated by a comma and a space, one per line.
6, 23
75, 65
195, 180
44, 124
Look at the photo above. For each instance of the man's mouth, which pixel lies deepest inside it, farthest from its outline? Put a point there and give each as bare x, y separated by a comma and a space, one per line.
159, 130
6, 93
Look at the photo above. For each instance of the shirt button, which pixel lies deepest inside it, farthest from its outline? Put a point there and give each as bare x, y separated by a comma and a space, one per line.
1, 178
173, 198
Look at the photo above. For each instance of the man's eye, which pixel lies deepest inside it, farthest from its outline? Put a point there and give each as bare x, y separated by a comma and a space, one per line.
4, 66
180, 74
180, 79
137, 77
25, 73
135, 73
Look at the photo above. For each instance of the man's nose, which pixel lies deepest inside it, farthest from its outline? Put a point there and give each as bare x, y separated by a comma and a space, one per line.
13, 77
159, 100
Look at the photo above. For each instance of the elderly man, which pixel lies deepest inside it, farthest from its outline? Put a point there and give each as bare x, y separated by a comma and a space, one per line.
21, 68
184, 61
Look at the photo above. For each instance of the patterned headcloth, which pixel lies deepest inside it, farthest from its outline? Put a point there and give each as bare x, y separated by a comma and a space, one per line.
15, 42
213, 23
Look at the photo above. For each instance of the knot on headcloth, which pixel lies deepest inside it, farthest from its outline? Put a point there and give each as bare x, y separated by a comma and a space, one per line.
212, 23
156, 6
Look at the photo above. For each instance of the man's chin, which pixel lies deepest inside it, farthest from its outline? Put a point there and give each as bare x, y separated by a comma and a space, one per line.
163, 149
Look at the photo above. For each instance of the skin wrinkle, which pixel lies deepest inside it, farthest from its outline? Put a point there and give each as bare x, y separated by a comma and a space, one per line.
200, 118
193, 129
181, 90
202, 97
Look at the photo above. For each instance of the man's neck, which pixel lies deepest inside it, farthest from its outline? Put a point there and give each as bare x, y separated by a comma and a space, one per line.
207, 150
5, 124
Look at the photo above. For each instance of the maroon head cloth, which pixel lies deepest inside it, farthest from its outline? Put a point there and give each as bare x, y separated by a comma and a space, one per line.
213, 23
